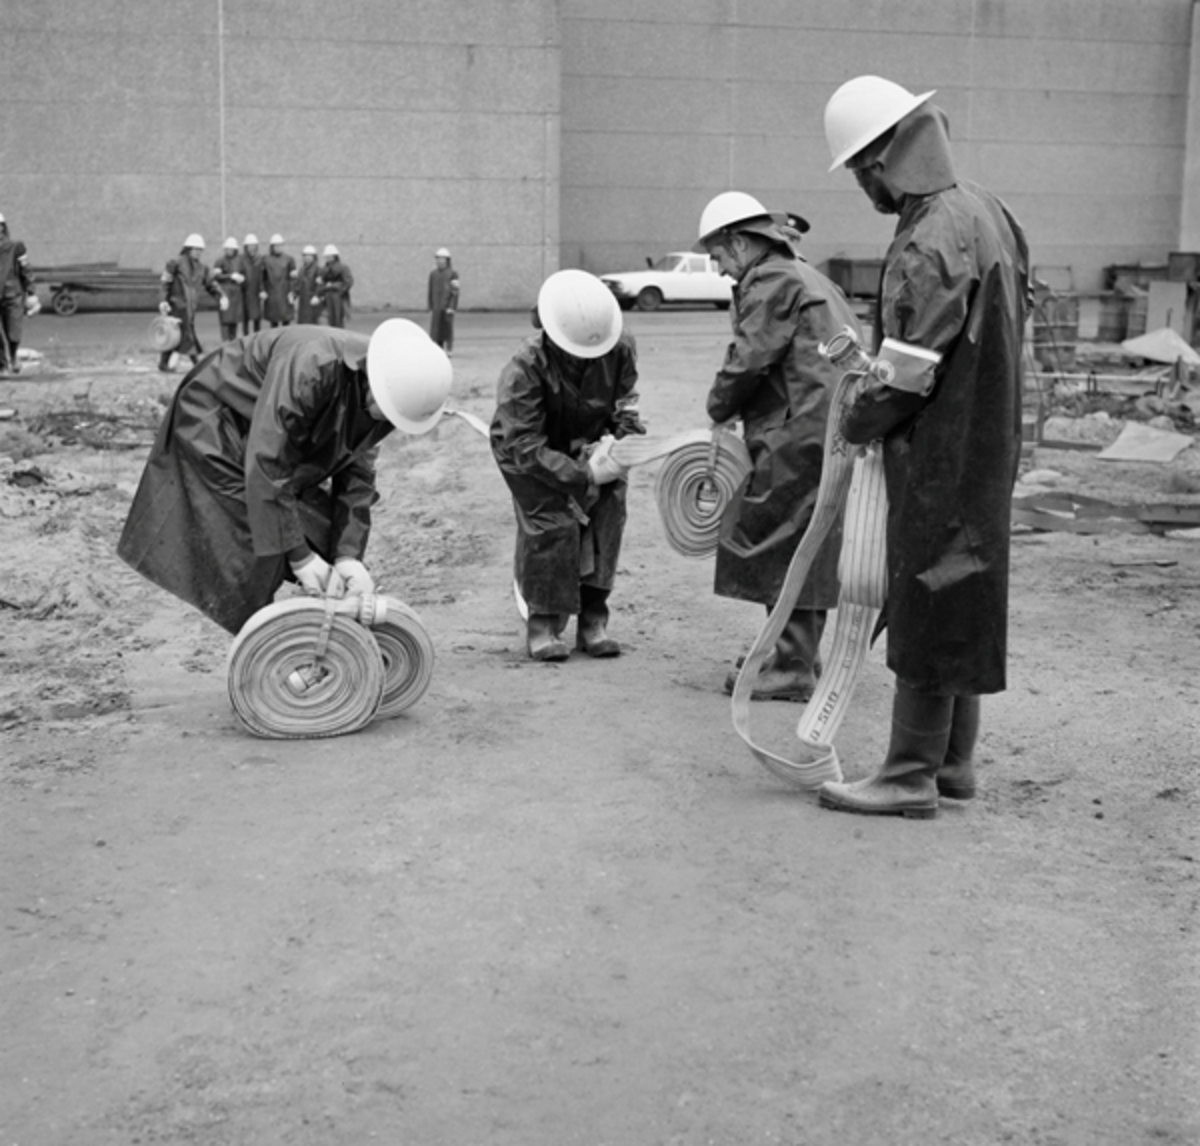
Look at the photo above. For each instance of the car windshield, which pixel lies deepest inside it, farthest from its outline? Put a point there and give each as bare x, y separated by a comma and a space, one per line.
667, 263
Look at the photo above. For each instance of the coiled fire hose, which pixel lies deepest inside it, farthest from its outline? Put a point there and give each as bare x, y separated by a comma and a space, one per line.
308, 668
852, 476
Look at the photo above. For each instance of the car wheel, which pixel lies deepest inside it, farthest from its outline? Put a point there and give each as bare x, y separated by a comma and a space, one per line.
649, 298
64, 303
721, 305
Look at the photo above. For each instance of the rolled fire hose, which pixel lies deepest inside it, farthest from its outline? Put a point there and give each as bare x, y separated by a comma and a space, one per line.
851, 477
309, 668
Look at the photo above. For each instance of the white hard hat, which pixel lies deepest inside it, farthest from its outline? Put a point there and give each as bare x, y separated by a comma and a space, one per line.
309, 250
2, 219
194, 240
441, 253
409, 375
726, 209
861, 110
230, 242
251, 240
579, 313
276, 240
330, 249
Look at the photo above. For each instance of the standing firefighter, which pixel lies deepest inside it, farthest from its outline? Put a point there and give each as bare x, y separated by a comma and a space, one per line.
253, 292
443, 300
775, 381
279, 282
17, 297
308, 308
336, 281
182, 281
229, 275
568, 386
951, 314
264, 466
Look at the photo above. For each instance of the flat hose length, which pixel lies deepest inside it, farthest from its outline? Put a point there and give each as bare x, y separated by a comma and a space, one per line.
308, 668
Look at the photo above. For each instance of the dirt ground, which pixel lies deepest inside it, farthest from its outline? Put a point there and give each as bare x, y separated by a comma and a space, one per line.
561, 904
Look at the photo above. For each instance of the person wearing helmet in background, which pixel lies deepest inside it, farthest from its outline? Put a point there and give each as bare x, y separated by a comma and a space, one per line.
950, 320
253, 291
308, 301
182, 281
228, 272
279, 283
264, 465
567, 387
18, 297
335, 282
776, 382
442, 300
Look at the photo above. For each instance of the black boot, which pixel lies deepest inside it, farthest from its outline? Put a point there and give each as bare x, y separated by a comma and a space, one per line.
14, 364
956, 777
542, 640
905, 784
792, 668
590, 630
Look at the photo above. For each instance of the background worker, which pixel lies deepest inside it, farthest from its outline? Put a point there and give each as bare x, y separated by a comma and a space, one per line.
279, 283
264, 466
252, 289
442, 300
778, 384
18, 297
951, 313
308, 300
335, 282
227, 270
182, 281
568, 385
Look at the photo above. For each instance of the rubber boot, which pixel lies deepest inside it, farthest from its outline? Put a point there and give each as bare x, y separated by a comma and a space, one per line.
541, 638
956, 777
791, 670
591, 629
905, 784
14, 364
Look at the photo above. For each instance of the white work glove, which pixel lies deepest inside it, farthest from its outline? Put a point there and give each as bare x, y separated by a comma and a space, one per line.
164, 308
262, 294
33, 304
315, 300
354, 573
318, 578
602, 467
238, 277
224, 303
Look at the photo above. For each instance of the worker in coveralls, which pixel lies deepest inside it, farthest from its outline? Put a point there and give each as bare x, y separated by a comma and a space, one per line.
279, 282
442, 300
227, 270
568, 386
182, 281
951, 313
335, 283
308, 306
777, 383
264, 466
17, 297
253, 291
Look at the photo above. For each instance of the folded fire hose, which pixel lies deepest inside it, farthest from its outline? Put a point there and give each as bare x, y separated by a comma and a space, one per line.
852, 476
308, 667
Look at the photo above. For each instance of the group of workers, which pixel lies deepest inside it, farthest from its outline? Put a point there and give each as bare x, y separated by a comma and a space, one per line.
264, 467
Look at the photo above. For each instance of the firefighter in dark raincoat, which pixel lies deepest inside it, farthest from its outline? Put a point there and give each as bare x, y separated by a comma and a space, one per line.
442, 300
954, 297
230, 276
279, 281
252, 288
264, 466
17, 297
567, 388
182, 281
308, 305
777, 383
335, 281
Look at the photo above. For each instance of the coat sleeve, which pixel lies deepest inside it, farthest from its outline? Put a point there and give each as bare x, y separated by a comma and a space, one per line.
452, 300
211, 285
168, 277
354, 492
24, 270
763, 331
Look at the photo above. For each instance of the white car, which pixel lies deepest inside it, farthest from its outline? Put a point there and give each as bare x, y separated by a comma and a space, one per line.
681, 276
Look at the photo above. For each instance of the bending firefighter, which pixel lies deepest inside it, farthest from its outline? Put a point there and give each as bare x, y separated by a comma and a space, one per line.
775, 380
951, 313
567, 388
264, 466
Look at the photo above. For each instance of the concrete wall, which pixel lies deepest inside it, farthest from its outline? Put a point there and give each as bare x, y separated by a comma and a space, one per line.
1075, 111
387, 127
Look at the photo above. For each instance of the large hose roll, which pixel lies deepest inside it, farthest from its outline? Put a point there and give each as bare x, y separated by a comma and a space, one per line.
407, 653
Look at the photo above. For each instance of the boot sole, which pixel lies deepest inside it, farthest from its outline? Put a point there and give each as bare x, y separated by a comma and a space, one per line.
926, 812
600, 650
954, 792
